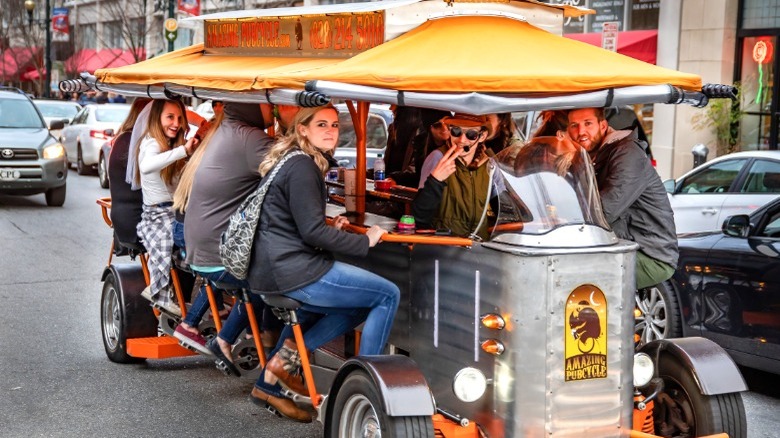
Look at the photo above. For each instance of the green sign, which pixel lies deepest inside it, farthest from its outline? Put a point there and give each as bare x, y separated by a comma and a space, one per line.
171, 35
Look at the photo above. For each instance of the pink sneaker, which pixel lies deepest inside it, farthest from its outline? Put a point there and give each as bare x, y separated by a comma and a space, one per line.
191, 340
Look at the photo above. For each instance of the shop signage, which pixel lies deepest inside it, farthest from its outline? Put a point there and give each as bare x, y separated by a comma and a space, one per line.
762, 52
606, 11
335, 36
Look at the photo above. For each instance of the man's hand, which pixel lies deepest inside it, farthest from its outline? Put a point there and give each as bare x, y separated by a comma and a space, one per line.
446, 166
339, 222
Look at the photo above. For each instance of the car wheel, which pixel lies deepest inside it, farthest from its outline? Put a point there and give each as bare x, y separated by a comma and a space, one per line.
357, 412
81, 168
682, 410
102, 172
112, 317
657, 313
56, 197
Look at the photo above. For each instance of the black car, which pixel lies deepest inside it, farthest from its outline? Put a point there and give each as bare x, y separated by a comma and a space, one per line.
727, 287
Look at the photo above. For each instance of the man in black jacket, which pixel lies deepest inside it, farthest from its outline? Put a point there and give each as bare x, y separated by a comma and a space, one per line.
632, 195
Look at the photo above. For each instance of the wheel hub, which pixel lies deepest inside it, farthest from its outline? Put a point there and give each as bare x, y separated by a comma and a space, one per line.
650, 321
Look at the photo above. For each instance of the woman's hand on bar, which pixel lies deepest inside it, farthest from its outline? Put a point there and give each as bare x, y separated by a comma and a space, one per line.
339, 222
375, 234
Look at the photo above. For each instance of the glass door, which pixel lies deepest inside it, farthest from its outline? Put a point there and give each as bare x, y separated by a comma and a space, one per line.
759, 124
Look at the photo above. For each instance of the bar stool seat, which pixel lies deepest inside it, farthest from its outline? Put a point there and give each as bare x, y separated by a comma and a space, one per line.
281, 302
227, 287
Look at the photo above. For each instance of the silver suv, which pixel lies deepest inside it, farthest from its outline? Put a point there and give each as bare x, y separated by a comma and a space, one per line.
31, 159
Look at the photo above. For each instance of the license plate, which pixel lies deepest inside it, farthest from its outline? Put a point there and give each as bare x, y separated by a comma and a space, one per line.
9, 174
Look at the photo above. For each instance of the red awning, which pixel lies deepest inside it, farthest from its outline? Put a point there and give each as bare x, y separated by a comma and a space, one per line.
638, 44
17, 62
90, 59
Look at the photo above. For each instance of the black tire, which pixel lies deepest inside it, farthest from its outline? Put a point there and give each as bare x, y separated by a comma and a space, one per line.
112, 323
81, 168
659, 313
712, 414
56, 197
103, 172
357, 406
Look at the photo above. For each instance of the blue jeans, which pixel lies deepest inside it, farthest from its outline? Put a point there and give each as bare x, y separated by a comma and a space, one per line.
201, 305
178, 234
238, 320
344, 295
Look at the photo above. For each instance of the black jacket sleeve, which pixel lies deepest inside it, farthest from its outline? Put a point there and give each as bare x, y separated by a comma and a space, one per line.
305, 189
426, 203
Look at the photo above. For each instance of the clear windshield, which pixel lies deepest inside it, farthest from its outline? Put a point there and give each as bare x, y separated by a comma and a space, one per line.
19, 113
543, 187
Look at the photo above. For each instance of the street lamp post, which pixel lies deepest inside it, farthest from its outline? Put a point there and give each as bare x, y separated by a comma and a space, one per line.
29, 5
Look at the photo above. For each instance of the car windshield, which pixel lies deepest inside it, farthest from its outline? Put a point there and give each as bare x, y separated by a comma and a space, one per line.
19, 113
116, 114
57, 110
539, 190
376, 135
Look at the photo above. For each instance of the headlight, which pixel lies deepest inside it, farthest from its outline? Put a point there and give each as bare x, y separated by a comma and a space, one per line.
469, 384
53, 151
643, 369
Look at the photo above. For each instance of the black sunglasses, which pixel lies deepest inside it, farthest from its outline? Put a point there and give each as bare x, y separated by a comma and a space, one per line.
471, 134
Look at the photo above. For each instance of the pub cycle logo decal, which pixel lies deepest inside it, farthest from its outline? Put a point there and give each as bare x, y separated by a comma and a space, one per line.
586, 334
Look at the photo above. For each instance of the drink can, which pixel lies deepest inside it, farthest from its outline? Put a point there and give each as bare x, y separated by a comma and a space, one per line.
333, 174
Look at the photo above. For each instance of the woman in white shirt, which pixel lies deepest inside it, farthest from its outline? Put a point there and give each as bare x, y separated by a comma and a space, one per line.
157, 162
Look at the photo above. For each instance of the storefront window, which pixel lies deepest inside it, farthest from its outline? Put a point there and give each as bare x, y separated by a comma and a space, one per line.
760, 14
757, 87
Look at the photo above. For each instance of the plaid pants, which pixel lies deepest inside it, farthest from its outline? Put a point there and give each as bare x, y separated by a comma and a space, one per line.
156, 233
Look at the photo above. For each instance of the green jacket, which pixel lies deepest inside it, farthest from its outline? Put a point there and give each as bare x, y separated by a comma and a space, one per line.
455, 204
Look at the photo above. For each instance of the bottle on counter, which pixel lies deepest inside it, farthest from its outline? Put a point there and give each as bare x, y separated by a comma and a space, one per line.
379, 168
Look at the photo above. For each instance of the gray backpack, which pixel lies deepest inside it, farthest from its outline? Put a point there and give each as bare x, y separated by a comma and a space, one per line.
235, 249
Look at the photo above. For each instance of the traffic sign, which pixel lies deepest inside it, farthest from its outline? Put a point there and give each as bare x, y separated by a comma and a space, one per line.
171, 25
171, 36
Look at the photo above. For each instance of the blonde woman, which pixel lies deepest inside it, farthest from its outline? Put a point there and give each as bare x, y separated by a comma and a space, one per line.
157, 158
293, 255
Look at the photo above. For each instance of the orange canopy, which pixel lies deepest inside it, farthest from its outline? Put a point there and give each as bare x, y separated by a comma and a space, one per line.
192, 67
489, 54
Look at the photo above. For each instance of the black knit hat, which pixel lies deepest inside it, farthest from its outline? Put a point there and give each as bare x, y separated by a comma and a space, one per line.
431, 116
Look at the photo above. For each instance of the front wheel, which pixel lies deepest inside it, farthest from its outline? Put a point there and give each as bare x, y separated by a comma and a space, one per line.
81, 168
657, 314
103, 171
56, 197
683, 411
357, 413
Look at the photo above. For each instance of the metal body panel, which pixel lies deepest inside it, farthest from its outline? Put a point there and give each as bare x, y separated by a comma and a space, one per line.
445, 290
715, 371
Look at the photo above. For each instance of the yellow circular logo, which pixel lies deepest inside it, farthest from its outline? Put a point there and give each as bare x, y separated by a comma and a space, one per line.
171, 24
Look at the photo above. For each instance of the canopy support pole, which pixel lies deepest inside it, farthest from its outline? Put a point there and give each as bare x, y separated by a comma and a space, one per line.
359, 121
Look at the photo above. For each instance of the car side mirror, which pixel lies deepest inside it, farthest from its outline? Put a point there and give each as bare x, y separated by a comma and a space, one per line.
737, 226
108, 132
56, 124
669, 185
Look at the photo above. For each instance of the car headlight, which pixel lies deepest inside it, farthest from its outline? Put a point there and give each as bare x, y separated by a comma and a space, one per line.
469, 384
643, 369
53, 151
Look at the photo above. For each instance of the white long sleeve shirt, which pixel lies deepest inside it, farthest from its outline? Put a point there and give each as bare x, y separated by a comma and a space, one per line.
150, 162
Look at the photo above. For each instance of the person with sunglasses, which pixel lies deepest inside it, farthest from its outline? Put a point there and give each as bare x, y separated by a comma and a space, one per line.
455, 178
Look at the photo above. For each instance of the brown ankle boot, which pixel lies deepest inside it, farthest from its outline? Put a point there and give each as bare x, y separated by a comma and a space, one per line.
283, 406
284, 366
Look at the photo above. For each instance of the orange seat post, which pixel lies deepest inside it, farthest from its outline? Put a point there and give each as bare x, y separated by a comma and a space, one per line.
145, 267
250, 313
111, 253
305, 364
213, 306
179, 293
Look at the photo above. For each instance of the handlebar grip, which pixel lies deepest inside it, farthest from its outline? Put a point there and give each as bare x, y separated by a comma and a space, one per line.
719, 91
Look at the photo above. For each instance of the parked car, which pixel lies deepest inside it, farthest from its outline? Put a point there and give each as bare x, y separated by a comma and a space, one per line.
737, 183
727, 285
31, 159
54, 110
379, 118
91, 127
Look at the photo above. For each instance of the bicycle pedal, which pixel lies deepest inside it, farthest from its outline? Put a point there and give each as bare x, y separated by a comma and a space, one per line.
294, 396
273, 410
222, 367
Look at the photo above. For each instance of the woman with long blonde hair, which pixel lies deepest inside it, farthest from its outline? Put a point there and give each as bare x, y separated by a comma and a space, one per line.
293, 255
155, 165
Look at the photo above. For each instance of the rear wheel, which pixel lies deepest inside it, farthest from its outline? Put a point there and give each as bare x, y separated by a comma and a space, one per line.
112, 317
357, 413
103, 171
56, 197
81, 168
682, 410
657, 313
